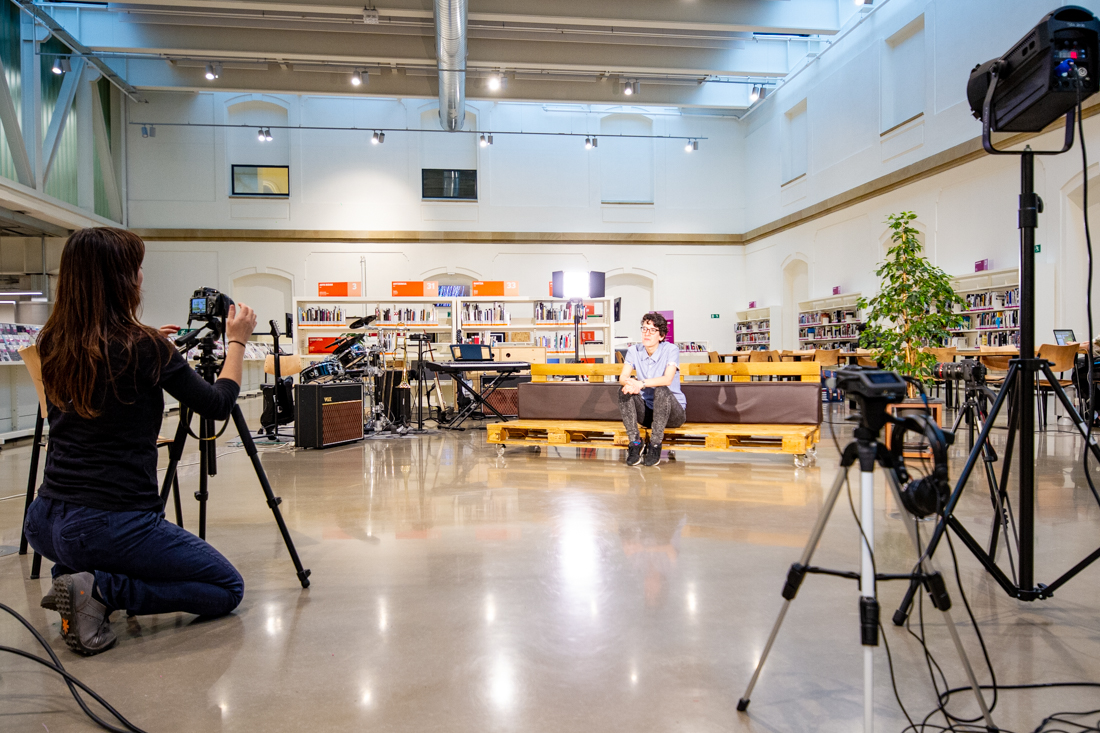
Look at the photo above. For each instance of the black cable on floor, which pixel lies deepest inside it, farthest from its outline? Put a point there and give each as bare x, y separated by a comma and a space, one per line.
70, 680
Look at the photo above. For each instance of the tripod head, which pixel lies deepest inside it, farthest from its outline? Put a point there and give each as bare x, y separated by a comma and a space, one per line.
873, 390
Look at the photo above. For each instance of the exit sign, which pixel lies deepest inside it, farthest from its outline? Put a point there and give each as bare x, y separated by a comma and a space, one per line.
1038, 248
713, 315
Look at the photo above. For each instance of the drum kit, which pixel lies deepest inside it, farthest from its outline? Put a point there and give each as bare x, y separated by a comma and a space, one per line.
386, 404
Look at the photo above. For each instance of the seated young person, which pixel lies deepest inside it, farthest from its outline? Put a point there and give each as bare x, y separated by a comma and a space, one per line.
98, 514
653, 396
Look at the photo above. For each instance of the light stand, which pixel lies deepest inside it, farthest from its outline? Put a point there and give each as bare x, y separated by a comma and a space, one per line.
578, 305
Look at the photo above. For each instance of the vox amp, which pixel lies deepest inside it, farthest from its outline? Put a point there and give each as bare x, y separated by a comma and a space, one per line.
328, 414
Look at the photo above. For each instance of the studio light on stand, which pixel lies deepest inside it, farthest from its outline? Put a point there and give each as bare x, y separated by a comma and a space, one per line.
576, 287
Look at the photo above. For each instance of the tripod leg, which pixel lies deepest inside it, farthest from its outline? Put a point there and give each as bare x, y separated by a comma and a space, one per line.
205, 447
272, 500
928, 568
175, 451
176, 500
32, 477
794, 579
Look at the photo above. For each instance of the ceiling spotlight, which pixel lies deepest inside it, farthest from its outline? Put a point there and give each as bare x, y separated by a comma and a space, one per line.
57, 66
755, 93
144, 131
628, 88
637, 88
210, 72
217, 71
381, 137
483, 141
152, 130
595, 142
356, 78
763, 91
694, 144
490, 138
260, 135
588, 143
374, 139
494, 82
688, 146
267, 135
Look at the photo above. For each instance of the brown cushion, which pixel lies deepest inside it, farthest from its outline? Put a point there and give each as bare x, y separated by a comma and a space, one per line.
782, 403
743, 403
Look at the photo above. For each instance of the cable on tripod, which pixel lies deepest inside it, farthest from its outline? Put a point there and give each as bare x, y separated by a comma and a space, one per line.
70, 680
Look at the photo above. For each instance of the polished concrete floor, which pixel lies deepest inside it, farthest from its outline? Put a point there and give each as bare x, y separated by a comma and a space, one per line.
457, 590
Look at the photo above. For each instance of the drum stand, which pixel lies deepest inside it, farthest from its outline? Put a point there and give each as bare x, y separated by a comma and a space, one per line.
869, 451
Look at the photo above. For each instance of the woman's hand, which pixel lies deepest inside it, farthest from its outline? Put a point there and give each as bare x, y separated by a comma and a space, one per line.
240, 323
169, 330
632, 386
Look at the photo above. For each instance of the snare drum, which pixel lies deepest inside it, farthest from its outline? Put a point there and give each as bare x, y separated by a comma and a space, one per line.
351, 356
322, 371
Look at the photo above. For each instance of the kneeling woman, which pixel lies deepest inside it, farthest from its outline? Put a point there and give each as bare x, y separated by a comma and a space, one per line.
98, 514
653, 397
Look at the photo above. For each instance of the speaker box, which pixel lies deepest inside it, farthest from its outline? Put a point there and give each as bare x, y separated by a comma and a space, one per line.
505, 398
328, 414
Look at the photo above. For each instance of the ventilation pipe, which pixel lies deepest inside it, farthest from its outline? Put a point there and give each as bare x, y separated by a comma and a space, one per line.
450, 50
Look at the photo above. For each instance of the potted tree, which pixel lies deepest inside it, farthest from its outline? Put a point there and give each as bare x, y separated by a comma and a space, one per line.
914, 308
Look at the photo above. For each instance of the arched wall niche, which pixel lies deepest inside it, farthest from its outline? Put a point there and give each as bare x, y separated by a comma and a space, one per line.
243, 146
270, 293
637, 291
796, 289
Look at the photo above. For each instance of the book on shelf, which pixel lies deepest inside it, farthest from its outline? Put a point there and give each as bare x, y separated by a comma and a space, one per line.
312, 316
485, 313
558, 313
402, 316
16, 336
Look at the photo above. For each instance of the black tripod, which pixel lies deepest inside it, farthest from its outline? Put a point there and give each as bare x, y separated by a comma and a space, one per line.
868, 451
1019, 391
208, 369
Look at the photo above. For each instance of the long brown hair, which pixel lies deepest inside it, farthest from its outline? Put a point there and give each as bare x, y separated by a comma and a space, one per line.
98, 296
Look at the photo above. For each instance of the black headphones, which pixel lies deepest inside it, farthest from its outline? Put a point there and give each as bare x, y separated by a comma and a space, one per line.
928, 494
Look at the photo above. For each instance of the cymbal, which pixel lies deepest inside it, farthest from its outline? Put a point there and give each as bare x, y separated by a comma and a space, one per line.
362, 322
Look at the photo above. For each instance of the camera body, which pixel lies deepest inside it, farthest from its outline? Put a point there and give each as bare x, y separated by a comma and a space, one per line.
208, 304
872, 390
970, 371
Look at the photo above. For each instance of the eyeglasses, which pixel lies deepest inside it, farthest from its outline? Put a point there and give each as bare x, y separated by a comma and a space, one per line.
647, 329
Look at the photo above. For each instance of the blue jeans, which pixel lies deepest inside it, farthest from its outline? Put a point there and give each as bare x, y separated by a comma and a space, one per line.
142, 563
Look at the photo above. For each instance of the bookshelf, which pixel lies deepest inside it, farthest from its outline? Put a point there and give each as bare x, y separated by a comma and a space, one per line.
758, 328
545, 322
829, 323
323, 319
992, 311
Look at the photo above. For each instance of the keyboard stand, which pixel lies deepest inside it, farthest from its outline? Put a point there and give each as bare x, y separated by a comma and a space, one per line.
478, 400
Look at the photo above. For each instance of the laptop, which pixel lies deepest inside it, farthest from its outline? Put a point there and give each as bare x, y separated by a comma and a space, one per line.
1063, 336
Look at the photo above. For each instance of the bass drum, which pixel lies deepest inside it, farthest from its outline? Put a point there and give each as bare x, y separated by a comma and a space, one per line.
323, 371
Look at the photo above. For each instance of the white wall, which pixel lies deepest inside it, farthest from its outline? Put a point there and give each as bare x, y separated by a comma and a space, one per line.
339, 180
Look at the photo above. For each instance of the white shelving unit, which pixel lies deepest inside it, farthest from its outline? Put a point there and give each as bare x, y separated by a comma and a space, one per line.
396, 316
758, 328
547, 322
829, 323
992, 311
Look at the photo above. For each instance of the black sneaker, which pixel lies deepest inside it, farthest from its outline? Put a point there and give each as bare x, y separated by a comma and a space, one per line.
85, 622
634, 453
652, 455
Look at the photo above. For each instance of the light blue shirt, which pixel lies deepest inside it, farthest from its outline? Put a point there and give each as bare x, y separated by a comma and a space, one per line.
651, 367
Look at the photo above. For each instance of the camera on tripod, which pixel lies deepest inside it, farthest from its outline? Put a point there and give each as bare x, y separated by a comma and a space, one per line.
208, 304
970, 371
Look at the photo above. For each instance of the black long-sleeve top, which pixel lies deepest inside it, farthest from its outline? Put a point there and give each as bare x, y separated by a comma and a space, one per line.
110, 462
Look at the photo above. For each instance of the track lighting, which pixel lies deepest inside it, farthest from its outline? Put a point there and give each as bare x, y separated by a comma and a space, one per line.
381, 138
755, 93
61, 65
356, 78
694, 144
260, 135
374, 139
213, 71
494, 82
490, 138
637, 87
483, 141
763, 91
588, 143
688, 146
56, 66
628, 88
144, 131
217, 71
595, 142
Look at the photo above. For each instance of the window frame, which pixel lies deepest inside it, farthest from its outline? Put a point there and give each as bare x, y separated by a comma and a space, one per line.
450, 198
233, 182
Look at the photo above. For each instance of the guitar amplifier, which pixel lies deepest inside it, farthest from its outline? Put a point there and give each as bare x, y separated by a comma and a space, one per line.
328, 414
505, 398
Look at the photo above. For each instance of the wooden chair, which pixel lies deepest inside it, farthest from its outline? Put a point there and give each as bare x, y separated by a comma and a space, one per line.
757, 355
1063, 358
828, 358
994, 361
714, 358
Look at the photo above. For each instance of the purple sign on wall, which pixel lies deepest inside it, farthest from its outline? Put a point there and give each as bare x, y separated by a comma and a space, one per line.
668, 317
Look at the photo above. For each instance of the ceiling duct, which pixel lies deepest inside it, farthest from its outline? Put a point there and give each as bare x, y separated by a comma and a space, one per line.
450, 51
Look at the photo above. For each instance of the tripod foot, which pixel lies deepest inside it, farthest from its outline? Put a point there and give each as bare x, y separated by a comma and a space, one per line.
742, 705
303, 577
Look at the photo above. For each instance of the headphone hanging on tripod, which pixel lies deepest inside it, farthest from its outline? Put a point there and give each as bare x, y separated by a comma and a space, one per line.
926, 495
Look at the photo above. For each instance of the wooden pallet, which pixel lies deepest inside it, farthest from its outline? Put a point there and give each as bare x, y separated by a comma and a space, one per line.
796, 440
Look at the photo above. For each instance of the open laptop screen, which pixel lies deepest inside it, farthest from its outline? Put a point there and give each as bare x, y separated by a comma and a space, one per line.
1063, 336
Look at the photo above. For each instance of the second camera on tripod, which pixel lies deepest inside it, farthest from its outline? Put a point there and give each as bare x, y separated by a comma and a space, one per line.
967, 370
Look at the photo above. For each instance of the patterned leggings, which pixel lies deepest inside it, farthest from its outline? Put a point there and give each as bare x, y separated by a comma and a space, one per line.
666, 413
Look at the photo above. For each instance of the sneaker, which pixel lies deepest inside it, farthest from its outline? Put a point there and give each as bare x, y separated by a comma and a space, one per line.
85, 622
652, 455
634, 453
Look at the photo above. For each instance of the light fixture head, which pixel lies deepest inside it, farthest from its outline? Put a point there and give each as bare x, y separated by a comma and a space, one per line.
144, 131
217, 71
210, 72
356, 78
381, 138
755, 93
494, 82
56, 68
483, 141
687, 147
490, 138
763, 92
267, 135
374, 139
260, 135
694, 144
588, 143
595, 142
637, 87
628, 88
152, 130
